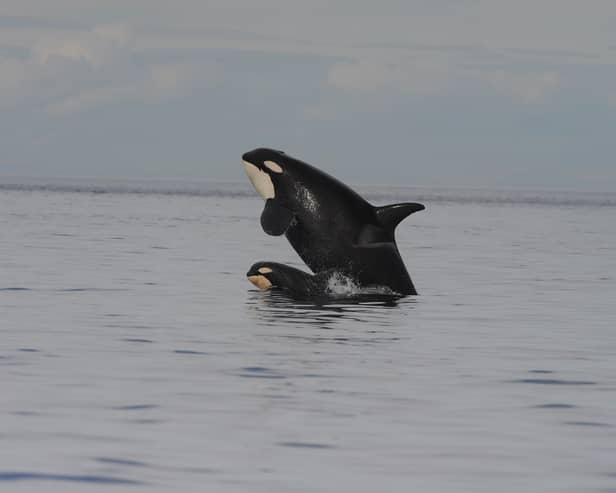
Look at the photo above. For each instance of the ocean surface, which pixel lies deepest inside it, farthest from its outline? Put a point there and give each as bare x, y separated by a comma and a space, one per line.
135, 356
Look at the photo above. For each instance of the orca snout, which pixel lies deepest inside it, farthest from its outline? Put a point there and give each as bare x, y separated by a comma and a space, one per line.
256, 156
261, 154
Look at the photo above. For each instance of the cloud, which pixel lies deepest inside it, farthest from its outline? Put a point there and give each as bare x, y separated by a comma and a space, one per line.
419, 77
436, 75
30, 22
91, 98
319, 112
58, 67
163, 81
532, 87
416, 48
176, 78
67, 72
101, 46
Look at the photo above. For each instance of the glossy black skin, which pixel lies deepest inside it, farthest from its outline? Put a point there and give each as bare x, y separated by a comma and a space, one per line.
295, 282
333, 227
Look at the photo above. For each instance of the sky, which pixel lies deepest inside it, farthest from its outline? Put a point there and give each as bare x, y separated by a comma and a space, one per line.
448, 93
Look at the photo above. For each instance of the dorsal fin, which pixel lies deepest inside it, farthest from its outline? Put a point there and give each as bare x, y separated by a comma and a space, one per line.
389, 216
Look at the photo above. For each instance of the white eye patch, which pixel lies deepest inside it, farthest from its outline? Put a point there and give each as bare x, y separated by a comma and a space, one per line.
260, 281
265, 270
273, 166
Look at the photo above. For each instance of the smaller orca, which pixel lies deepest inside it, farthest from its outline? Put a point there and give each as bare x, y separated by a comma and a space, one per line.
295, 282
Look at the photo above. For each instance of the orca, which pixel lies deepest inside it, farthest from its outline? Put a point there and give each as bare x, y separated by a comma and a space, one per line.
328, 224
297, 283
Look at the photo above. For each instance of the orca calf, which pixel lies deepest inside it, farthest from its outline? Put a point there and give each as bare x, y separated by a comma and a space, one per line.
297, 283
329, 225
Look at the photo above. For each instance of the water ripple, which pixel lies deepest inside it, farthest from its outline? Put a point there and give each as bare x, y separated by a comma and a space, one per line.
135, 407
259, 372
555, 405
276, 308
552, 381
305, 445
121, 462
21, 476
588, 423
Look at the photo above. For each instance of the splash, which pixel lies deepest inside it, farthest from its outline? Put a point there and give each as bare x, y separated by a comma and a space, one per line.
341, 286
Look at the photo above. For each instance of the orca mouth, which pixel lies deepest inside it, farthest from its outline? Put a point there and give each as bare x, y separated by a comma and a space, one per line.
248, 165
260, 180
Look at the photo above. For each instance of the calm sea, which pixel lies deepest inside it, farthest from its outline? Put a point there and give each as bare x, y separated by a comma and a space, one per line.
134, 356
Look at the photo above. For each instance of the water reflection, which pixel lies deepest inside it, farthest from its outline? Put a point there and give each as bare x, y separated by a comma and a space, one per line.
275, 308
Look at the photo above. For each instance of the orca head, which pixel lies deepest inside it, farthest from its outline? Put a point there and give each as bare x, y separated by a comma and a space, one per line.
265, 169
262, 275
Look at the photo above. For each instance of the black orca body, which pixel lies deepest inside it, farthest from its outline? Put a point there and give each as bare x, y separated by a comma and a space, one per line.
295, 282
329, 225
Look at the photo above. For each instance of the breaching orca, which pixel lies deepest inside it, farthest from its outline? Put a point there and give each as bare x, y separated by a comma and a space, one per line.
329, 225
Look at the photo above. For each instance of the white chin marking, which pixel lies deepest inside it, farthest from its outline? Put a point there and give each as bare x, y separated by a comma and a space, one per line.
273, 166
260, 180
